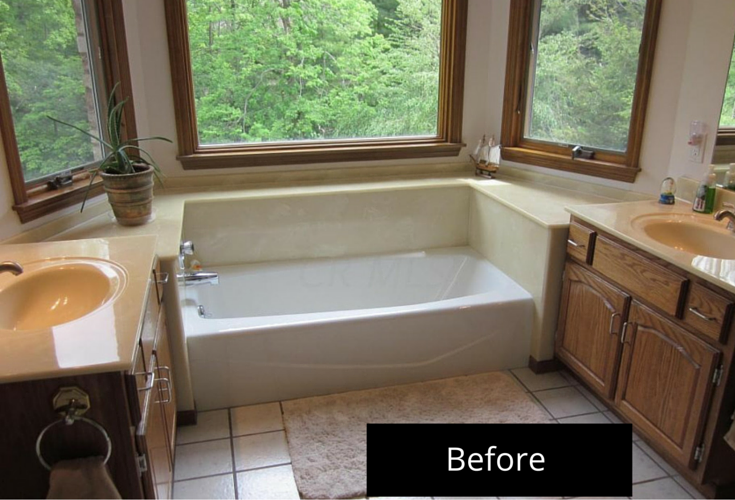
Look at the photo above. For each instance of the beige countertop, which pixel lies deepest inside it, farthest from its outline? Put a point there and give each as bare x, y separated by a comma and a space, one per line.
619, 219
102, 341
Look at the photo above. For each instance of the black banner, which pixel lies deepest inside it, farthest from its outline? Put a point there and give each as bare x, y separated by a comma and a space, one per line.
477, 460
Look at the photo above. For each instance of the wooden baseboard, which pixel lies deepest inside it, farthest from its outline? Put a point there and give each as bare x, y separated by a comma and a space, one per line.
545, 366
188, 417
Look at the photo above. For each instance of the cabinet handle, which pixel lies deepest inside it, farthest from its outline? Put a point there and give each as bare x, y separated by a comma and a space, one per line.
574, 243
150, 383
696, 312
167, 388
162, 278
625, 330
612, 322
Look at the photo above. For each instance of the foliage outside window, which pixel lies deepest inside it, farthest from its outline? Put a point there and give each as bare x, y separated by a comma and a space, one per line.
292, 81
726, 132
51, 53
578, 75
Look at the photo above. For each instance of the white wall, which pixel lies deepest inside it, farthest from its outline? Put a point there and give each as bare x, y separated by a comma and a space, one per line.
695, 40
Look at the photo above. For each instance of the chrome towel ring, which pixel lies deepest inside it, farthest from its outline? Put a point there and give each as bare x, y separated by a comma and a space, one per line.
71, 421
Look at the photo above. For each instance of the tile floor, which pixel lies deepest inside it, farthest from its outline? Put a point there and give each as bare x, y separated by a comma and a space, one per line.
242, 452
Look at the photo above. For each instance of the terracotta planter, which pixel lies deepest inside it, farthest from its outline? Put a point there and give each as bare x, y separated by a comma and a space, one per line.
131, 195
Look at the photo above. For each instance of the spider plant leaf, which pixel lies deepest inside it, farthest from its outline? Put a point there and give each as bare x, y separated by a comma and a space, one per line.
151, 138
150, 161
89, 187
101, 141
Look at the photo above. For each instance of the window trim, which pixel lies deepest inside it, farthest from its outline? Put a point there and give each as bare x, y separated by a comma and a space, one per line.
607, 164
447, 142
34, 200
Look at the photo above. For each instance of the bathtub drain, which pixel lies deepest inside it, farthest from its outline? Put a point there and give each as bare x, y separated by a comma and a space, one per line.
202, 312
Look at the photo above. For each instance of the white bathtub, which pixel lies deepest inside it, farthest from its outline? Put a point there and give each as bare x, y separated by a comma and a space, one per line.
291, 329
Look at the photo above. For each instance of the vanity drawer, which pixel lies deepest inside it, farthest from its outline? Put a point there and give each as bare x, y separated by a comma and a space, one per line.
708, 312
639, 275
581, 242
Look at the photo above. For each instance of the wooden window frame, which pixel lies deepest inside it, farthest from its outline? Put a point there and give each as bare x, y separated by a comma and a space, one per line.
725, 136
34, 200
606, 164
447, 142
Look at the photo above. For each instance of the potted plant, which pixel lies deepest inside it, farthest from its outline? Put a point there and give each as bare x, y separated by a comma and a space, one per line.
127, 170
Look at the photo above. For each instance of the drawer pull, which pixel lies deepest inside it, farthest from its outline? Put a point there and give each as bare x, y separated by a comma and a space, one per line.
167, 388
162, 278
697, 313
150, 383
575, 244
612, 322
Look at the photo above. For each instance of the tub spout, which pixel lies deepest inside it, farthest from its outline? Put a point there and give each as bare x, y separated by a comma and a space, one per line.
200, 278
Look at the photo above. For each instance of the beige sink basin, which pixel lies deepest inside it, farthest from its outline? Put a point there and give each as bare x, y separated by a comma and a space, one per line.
52, 293
689, 233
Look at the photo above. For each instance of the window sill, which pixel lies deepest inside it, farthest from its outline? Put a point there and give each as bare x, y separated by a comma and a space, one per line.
46, 202
595, 168
270, 155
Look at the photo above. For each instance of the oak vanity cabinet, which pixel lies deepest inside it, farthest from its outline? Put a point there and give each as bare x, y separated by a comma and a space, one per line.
136, 408
156, 408
654, 343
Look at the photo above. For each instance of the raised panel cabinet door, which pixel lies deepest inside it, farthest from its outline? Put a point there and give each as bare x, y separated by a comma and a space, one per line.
152, 440
665, 382
590, 322
166, 382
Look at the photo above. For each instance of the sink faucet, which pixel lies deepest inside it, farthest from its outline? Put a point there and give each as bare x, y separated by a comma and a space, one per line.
11, 267
727, 214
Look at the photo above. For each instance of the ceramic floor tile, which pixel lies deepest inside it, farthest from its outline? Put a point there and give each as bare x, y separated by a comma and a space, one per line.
592, 418
612, 417
644, 468
593, 399
203, 459
688, 487
256, 419
565, 402
657, 458
534, 382
214, 487
261, 450
516, 381
210, 425
274, 483
661, 488
570, 378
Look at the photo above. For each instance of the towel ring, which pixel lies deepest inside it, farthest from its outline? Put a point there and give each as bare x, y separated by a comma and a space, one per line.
71, 422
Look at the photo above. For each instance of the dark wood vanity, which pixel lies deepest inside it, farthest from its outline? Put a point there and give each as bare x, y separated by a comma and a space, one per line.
137, 409
656, 344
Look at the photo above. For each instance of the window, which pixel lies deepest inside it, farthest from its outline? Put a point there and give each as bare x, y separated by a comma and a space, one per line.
58, 58
577, 82
304, 81
726, 132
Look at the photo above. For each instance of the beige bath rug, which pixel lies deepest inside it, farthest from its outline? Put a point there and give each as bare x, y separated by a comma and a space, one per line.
327, 434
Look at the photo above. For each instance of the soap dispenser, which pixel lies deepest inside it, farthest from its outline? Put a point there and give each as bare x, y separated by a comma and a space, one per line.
704, 199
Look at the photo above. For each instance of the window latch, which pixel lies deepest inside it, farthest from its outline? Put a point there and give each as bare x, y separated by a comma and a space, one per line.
64, 179
580, 152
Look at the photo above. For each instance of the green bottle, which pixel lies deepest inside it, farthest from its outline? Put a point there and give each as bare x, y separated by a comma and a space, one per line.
704, 199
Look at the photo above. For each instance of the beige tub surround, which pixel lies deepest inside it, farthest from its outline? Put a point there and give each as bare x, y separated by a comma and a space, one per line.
485, 214
674, 240
108, 276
